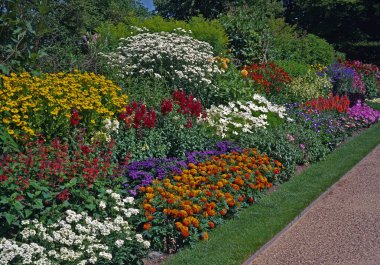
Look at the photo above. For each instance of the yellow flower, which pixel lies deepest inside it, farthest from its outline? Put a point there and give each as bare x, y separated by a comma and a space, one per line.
11, 132
244, 73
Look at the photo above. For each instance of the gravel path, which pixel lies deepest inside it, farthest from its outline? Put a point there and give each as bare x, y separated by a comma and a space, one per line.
342, 227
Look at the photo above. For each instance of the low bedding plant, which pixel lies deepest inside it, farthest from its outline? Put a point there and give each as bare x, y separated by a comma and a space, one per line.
91, 178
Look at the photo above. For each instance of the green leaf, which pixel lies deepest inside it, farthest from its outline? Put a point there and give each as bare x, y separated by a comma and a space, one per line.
38, 204
18, 206
28, 213
10, 218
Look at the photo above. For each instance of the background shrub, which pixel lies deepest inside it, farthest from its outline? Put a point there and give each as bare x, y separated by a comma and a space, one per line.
210, 31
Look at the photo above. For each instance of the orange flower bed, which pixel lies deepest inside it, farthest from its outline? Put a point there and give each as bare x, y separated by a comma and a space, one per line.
194, 201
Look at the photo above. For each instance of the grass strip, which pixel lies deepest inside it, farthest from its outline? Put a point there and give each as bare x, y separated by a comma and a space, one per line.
238, 238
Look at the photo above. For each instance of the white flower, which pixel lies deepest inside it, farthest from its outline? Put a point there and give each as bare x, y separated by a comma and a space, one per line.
146, 244
119, 243
105, 255
102, 205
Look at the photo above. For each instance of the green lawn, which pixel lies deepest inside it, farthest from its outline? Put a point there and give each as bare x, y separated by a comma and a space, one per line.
237, 239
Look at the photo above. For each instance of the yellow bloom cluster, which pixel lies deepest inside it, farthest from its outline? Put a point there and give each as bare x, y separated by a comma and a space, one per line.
223, 62
25, 99
318, 67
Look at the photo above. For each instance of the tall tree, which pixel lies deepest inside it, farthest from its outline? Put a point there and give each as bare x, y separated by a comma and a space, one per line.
345, 23
184, 9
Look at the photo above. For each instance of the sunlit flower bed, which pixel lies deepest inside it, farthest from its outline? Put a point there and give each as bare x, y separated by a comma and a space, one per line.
244, 117
183, 207
47, 104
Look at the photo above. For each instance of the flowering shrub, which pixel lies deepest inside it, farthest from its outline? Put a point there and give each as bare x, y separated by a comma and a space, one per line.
332, 126
79, 238
345, 79
176, 127
183, 207
45, 179
236, 118
270, 77
332, 103
50, 103
364, 114
180, 60
309, 86
370, 75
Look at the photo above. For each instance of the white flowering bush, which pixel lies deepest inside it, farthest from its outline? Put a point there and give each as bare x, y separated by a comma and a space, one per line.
309, 86
231, 120
79, 238
179, 59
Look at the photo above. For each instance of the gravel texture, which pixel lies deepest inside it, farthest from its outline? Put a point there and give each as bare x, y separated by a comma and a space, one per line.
342, 227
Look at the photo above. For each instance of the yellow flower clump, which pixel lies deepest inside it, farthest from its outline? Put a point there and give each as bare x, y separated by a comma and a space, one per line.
318, 67
25, 100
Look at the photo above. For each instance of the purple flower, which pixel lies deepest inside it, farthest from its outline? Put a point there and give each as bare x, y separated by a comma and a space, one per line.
302, 146
363, 113
142, 173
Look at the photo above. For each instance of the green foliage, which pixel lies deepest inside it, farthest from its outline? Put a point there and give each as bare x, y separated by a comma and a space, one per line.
294, 68
355, 24
290, 143
196, 138
45, 35
187, 8
210, 31
307, 87
291, 44
34, 185
248, 29
170, 138
317, 50
232, 87
7, 143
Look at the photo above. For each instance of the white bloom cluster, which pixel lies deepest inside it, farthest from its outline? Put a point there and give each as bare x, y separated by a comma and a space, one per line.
78, 238
111, 125
177, 58
29, 253
239, 117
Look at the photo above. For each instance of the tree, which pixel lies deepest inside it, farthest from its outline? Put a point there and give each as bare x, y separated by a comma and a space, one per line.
347, 24
184, 9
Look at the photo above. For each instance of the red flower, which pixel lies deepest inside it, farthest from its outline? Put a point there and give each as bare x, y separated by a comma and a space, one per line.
85, 149
74, 119
63, 195
166, 106
3, 178
189, 123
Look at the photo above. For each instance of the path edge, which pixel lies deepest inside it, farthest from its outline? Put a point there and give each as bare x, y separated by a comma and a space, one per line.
304, 212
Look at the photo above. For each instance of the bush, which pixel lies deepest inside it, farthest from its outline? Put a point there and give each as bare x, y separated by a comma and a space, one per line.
345, 80
309, 86
181, 61
369, 74
230, 121
79, 238
290, 44
293, 68
269, 78
175, 129
210, 31
249, 32
47, 179
232, 87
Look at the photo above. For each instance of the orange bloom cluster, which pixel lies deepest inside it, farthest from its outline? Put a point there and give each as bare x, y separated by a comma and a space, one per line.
205, 193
